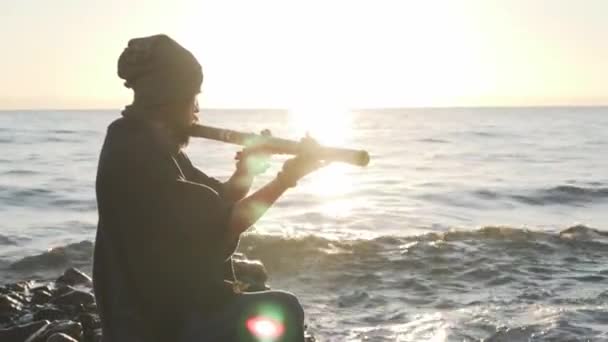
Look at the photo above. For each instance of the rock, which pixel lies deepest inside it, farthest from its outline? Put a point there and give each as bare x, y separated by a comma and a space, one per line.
89, 321
22, 286
70, 328
41, 297
251, 272
62, 289
51, 313
97, 337
38, 335
43, 287
18, 297
73, 276
60, 337
74, 298
52, 307
90, 307
20, 332
9, 306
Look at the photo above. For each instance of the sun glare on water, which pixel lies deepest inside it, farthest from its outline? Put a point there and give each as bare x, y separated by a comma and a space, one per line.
331, 126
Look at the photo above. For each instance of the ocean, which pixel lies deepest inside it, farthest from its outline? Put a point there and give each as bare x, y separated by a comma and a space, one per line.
469, 224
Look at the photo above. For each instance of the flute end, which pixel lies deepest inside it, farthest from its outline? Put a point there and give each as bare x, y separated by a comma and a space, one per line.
363, 159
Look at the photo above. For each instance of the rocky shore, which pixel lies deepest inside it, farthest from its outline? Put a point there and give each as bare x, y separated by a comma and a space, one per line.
64, 310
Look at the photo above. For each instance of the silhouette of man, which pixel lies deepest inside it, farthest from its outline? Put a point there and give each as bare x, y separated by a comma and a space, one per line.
162, 267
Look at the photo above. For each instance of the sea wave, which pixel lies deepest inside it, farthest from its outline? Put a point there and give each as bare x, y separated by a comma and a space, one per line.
7, 240
75, 254
458, 277
41, 198
562, 194
441, 253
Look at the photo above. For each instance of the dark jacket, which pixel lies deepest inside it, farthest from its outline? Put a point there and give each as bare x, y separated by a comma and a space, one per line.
162, 242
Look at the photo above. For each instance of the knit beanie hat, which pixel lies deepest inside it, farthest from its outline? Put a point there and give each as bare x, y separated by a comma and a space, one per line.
160, 71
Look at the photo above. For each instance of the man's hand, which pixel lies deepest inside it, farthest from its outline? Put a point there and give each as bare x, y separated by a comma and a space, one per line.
253, 161
305, 163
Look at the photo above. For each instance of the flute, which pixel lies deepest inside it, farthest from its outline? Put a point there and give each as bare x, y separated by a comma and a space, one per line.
280, 146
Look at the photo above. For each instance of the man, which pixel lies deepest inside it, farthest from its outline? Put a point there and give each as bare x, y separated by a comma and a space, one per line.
166, 230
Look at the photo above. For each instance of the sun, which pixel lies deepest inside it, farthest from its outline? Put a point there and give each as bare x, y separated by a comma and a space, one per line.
332, 126
329, 124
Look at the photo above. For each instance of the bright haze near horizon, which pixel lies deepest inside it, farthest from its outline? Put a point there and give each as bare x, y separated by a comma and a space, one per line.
301, 54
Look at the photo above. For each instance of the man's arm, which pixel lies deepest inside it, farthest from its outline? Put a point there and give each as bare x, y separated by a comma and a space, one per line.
238, 186
250, 163
248, 210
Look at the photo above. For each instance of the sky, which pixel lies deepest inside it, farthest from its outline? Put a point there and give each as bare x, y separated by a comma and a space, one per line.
293, 54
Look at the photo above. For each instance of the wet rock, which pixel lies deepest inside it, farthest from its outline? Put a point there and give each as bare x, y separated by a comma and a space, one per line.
18, 297
50, 313
62, 312
38, 335
251, 272
62, 289
21, 332
89, 321
41, 297
73, 276
9, 306
308, 337
43, 287
22, 286
90, 307
60, 337
70, 328
74, 298
97, 337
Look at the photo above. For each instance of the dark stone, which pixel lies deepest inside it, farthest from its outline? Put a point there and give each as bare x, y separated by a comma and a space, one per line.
22, 286
62, 289
41, 297
251, 272
20, 332
39, 334
9, 306
89, 321
73, 276
50, 313
70, 328
309, 338
74, 298
90, 307
46, 288
97, 337
18, 297
60, 337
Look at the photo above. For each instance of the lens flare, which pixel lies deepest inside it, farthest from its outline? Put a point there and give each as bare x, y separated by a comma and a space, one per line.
265, 328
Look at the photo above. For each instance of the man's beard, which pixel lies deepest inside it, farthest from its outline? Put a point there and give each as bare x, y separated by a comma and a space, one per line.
181, 136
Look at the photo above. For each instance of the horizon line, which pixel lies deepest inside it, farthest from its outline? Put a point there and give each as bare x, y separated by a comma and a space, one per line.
350, 109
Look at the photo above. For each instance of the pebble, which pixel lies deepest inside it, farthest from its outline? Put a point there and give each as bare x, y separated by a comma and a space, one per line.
73, 277
9, 306
74, 298
60, 337
251, 272
41, 297
51, 313
73, 329
21, 332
